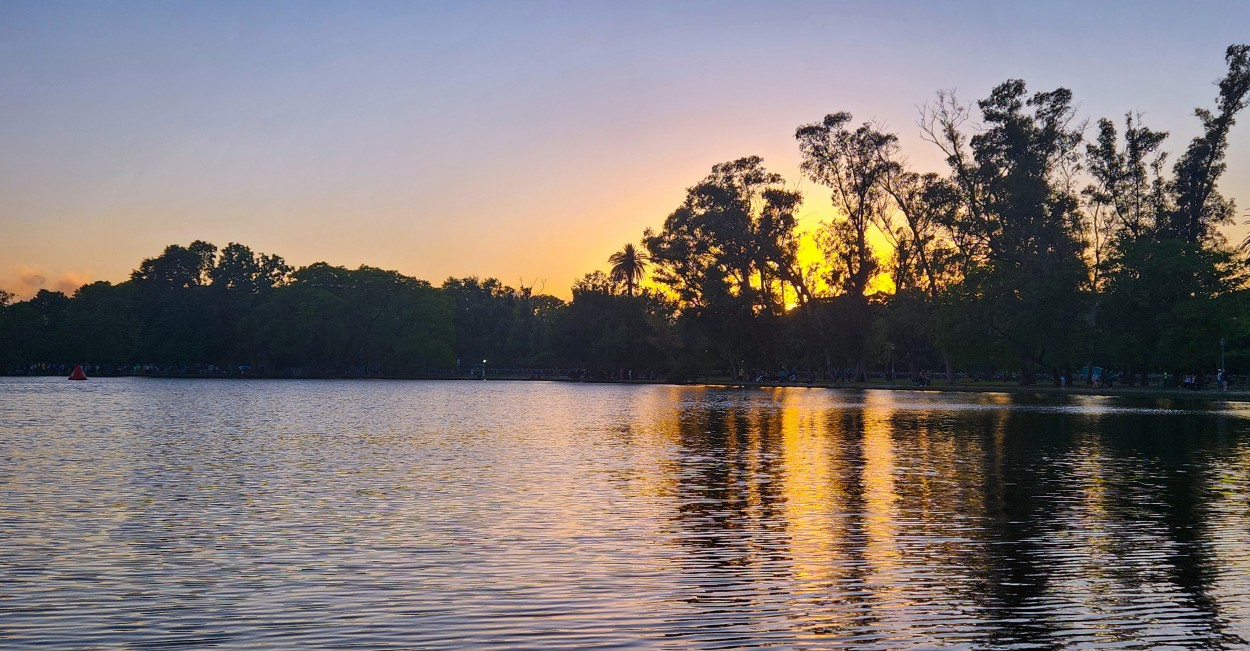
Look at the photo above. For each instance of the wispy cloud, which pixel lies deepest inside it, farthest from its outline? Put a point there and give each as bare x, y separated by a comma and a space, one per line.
70, 281
26, 281
31, 280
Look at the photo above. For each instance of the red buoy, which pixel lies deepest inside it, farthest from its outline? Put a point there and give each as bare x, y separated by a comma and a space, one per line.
78, 374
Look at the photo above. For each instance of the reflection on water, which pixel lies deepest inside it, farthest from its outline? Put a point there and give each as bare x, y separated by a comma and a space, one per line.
145, 513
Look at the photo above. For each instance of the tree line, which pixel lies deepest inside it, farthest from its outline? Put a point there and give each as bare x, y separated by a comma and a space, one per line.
1047, 247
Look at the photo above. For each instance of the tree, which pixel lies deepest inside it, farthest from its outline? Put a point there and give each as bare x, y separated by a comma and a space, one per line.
1019, 225
297, 329
854, 165
594, 282
23, 336
629, 265
1127, 200
728, 254
238, 269
606, 332
733, 235
1128, 180
106, 312
925, 261
178, 266
1199, 207
1167, 268
510, 327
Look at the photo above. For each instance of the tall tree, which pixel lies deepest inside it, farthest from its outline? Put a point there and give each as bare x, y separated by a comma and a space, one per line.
925, 262
240, 269
733, 235
1128, 179
629, 266
854, 164
1019, 223
728, 253
1167, 267
1199, 207
1126, 203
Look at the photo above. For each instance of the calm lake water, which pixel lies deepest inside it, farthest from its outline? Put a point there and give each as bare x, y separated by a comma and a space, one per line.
476, 515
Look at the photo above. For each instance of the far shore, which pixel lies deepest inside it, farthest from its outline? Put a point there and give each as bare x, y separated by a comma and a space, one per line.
1238, 393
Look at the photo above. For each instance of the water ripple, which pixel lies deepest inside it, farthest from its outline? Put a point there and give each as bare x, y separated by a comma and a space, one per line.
154, 514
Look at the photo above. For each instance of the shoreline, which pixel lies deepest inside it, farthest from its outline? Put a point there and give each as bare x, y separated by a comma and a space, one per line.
1239, 394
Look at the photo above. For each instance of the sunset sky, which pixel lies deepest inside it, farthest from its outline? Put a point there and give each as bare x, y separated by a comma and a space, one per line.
521, 140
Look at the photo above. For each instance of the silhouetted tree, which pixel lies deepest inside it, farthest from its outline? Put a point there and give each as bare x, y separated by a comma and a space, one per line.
239, 269
728, 252
608, 333
101, 326
1199, 208
1019, 225
854, 165
509, 327
629, 266
178, 266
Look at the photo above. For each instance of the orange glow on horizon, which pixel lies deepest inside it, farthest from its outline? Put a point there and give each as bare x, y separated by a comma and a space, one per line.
811, 257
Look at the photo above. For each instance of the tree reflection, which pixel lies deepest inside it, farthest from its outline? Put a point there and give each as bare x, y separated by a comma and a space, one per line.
1036, 521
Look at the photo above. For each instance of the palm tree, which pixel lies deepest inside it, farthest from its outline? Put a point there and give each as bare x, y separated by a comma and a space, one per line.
628, 266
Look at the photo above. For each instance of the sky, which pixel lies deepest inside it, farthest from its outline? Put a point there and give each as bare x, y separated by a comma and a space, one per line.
526, 141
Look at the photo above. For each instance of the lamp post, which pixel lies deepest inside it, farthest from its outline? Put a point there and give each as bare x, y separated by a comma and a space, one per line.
891, 362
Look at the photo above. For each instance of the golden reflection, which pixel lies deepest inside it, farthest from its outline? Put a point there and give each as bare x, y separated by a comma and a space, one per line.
880, 498
813, 493
841, 512
650, 430
882, 514
826, 519
997, 398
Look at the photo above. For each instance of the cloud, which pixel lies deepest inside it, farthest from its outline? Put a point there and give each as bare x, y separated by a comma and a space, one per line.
31, 280
27, 281
71, 281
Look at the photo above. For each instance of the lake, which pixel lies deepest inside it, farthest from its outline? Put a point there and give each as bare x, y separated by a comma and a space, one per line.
143, 513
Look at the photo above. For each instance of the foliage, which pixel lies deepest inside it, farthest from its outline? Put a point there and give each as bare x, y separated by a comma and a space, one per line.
728, 254
510, 328
629, 265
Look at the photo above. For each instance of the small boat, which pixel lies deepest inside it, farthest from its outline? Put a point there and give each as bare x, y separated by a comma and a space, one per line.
78, 374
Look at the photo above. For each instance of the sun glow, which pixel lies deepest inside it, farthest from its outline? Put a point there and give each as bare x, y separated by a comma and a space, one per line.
814, 265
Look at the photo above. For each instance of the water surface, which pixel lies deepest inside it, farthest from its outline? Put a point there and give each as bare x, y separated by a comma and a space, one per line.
138, 513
